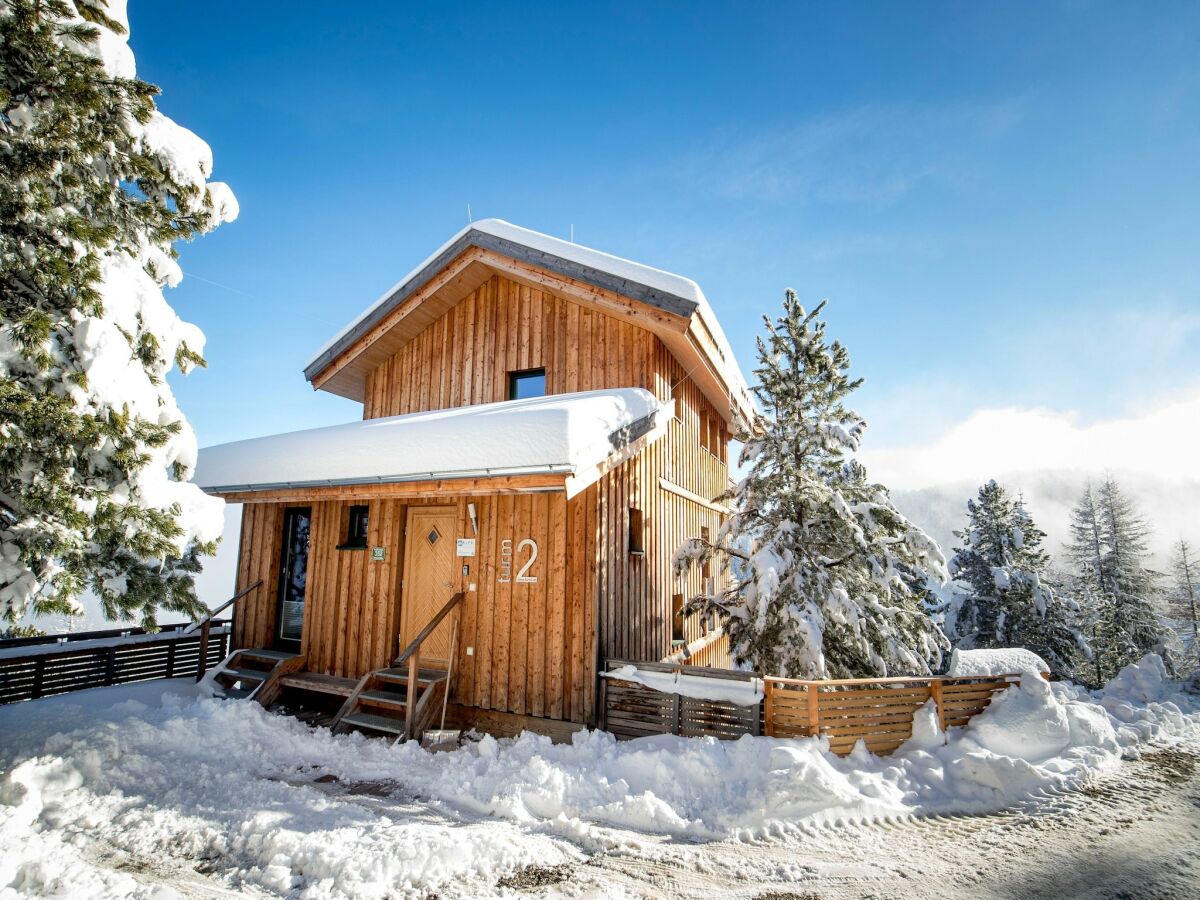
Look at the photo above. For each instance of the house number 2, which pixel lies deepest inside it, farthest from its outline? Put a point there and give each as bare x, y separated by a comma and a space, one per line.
506, 561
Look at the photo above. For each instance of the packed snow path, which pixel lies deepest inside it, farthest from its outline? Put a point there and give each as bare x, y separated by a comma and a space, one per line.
151, 790
1133, 833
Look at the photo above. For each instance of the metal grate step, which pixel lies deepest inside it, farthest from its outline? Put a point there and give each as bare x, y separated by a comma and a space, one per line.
244, 674
374, 723
266, 655
386, 697
424, 676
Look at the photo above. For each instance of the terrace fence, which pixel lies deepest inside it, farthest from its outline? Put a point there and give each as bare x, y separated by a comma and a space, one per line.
41, 667
877, 711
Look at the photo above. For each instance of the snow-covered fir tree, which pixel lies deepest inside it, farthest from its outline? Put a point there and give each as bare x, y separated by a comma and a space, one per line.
1117, 592
96, 186
1185, 598
828, 579
1009, 600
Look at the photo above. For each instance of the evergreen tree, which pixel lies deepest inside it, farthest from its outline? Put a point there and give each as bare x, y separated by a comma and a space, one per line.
1185, 597
1118, 592
828, 578
1010, 601
96, 185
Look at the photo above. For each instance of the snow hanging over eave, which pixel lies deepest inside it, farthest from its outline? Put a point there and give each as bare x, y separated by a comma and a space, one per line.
579, 436
677, 286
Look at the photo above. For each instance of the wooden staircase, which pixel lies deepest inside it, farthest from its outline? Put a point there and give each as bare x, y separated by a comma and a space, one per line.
253, 674
403, 698
380, 702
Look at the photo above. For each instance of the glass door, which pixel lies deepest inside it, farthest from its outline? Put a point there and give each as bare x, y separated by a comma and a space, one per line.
293, 576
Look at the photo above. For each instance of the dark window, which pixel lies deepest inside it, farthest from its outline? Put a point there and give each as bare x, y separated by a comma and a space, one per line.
529, 383
705, 567
356, 529
677, 619
637, 539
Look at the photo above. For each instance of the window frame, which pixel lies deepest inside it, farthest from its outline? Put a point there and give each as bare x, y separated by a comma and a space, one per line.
358, 518
517, 376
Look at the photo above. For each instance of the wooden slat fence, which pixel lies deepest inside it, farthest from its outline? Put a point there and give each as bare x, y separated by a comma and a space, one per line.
46, 666
634, 710
878, 711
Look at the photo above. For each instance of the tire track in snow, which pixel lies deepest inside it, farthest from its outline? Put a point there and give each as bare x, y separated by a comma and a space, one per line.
1132, 833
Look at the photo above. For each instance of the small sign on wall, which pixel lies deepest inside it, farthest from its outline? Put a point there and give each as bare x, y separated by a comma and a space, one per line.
378, 554
465, 547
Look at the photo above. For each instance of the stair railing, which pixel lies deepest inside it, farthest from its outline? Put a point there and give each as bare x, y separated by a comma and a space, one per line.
411, 655
206, 623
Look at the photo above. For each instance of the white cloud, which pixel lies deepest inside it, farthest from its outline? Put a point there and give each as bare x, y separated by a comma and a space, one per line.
1049, 456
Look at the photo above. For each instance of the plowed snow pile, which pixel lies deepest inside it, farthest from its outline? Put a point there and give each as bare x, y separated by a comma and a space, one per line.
158, 774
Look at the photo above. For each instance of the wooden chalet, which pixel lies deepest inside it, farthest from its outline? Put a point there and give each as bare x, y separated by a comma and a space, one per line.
543, 427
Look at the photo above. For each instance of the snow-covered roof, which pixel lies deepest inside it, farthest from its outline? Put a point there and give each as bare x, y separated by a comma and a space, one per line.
663, 290
572, 435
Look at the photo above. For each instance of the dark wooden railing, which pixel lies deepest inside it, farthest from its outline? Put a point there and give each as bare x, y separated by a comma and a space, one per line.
411, 655
51, 665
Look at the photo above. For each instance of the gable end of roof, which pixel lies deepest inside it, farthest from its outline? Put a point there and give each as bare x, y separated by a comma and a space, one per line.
473, 237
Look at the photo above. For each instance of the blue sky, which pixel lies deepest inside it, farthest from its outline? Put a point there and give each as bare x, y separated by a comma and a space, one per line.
1002, 202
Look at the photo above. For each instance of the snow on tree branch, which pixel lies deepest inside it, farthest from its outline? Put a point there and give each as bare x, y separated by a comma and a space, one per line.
96, 185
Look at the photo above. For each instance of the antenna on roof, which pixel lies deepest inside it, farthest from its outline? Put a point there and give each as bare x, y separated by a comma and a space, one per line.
572, 233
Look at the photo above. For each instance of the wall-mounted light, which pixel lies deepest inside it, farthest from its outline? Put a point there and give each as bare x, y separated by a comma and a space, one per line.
474, 521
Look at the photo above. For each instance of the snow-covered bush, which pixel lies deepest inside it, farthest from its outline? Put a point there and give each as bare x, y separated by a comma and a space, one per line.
96, 185
829, 579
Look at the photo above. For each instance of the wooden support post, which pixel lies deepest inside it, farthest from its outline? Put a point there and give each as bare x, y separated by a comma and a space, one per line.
935, 690
171, 659
675, 704
39, 676
814, 710
769, 706
410, 700
202, 661
110, 666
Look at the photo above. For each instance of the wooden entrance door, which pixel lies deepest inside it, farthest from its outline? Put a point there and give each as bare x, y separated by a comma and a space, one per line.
429, 579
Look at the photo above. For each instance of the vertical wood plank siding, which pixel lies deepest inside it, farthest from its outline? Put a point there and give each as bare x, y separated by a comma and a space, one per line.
534, 646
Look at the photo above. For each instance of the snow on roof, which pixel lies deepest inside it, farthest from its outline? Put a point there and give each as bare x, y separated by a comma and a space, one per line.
666, 290
567, 434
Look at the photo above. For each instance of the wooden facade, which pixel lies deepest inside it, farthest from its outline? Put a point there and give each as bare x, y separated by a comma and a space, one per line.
602, 583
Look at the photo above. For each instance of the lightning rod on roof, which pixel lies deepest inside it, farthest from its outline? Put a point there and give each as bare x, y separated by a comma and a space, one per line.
469, 214
572, 233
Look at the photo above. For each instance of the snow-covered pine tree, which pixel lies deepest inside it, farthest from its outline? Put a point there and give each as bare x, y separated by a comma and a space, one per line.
1117, 591
1185, 598
1009, 601
828, 578
96, 185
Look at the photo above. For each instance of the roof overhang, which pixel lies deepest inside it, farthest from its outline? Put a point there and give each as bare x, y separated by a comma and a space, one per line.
564, 442
670, 306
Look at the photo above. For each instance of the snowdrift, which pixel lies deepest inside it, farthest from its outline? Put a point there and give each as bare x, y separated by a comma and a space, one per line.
170, 776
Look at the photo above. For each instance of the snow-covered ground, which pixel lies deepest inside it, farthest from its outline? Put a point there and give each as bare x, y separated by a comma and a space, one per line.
153, 790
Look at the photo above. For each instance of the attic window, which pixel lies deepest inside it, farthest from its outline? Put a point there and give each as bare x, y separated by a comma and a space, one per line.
356, 529
526, 383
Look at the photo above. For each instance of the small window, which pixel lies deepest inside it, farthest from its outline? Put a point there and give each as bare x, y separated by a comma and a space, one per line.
706, 566
525, 384
677, 619
677, 396
637, 532
356, 529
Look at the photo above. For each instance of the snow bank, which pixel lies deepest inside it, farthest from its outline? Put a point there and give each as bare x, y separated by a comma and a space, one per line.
999, 661
183, 779
741, 693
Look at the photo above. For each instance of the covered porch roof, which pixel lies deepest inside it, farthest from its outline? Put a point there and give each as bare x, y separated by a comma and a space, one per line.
564, 442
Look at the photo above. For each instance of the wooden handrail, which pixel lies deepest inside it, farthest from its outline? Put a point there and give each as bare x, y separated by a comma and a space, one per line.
433, 623
411, 655
224, 606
